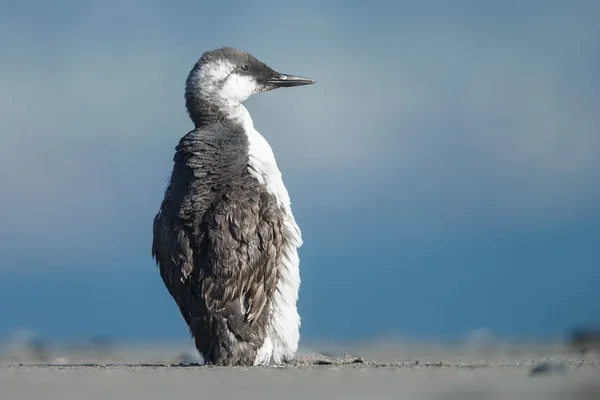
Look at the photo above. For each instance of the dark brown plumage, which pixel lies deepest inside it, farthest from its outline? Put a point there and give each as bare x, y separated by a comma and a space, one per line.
217, 242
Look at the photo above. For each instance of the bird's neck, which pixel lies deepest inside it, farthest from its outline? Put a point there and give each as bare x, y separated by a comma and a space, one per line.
205, 111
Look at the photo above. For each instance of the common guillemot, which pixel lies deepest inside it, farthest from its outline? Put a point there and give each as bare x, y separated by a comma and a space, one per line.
225, 239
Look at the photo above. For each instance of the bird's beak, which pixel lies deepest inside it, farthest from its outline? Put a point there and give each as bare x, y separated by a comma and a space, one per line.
285, 80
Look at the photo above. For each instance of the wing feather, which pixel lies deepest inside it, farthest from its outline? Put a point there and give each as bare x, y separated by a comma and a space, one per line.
241, 266
229, 264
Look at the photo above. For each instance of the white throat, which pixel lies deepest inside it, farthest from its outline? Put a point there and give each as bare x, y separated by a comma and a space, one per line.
262, 161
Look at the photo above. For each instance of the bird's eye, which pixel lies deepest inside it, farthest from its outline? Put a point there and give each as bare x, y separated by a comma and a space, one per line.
245, 67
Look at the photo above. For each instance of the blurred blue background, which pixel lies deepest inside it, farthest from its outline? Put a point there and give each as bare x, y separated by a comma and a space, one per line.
445, 169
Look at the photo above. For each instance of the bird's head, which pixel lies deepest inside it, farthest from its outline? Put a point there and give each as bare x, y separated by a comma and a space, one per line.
231, 75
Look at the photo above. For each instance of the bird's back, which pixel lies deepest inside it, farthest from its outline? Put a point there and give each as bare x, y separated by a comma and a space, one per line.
218, 243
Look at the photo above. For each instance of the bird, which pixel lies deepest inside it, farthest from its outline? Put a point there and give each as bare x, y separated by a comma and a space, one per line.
225, 239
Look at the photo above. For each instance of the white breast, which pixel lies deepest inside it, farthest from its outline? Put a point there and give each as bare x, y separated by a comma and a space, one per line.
283, 336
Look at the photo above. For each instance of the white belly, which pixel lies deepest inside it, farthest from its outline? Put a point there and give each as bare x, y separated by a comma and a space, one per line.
283, 331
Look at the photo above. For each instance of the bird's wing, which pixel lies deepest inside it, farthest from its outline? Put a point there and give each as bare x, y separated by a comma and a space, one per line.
227, 259
240, 252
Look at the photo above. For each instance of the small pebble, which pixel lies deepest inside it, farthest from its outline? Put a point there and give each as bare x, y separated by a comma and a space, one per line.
549, 367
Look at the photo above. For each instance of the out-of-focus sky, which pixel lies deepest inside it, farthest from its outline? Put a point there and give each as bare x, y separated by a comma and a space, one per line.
445, 169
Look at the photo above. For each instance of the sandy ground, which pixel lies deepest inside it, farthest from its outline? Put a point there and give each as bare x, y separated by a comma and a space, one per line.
386, 371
